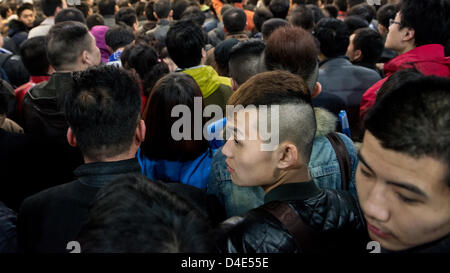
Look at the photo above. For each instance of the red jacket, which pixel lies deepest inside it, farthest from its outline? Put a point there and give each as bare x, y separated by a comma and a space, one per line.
428, 59
23, 89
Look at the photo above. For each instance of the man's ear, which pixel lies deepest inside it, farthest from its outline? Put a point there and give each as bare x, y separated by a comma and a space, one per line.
409, 34
358, 55
140, 132
234, 85
71, 138
287, 154
156, 16
110, 50
317, 90
170, 17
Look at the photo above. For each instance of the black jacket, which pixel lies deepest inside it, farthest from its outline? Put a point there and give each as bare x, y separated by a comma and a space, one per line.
50, 219
334, 216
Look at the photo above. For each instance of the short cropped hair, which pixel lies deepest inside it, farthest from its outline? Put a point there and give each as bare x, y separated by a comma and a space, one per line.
279, 8
106, 7
23, 7
234, 20
414, 119
70, 14
49, 6
427, 18
333, 36
355, 22
95, 20
302, 17
290, 93
271, 25
244, 59
33, 52
185, 41
386, 13
178, 7
195, 14
103, 111
293, 49
364, 11
134, 214
162, 8
119, 36
370, 43
127, 16
261, 15
65, 43
171, 90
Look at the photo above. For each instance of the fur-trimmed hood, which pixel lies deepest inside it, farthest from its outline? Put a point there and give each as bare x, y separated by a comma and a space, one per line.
325, 121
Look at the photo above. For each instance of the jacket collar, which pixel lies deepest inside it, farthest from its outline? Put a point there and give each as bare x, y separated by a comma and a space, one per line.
99, 174
336, 61
292, 191
426, 53
207, 78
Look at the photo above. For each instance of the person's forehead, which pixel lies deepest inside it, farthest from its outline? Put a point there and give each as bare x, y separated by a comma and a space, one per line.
426, 172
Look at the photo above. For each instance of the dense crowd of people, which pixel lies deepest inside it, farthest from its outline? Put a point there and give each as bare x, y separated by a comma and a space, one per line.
224, 126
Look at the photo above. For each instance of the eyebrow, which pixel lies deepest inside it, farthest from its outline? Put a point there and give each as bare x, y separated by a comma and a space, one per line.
402, 185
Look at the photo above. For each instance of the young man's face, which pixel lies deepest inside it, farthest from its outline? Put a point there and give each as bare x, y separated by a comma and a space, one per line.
405, 200
27, 17
247, 163
394, 39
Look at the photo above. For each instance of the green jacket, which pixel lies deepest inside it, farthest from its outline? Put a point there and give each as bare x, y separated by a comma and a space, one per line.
215, 89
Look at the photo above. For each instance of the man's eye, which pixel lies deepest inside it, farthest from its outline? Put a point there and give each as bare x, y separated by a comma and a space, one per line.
236, 141
365, 173
406, 199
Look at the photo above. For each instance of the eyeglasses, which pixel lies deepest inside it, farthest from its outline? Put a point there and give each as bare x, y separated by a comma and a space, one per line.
391, 22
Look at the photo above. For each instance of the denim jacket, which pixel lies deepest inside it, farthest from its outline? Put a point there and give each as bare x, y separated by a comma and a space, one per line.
323, 167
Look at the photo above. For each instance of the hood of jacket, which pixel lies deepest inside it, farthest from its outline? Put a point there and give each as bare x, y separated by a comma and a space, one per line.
207, 79
16, 26
429, 59
325, 121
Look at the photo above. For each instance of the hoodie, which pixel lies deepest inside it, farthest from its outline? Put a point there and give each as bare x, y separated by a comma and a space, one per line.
428, 59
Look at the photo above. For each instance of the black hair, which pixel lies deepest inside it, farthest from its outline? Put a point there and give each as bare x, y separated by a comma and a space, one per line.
355, 22
271, 25
332, 10
364, 11
333, 36
119, 36
341, 4
279, 8
135, 215
185, 41
33, 53
162, 8
302, 17
106, 7
318, 14
178, 7
244, 59
386, 13
195, 14
65, 43
149, 11
49, 6
261, 15
23, 7
84, 8
352, 3
127, 16
397, 79
3, 10
171, 90
70, 14
234, 20
427, 18
370, 43
414, 119
145, 61
103, 110
222, 54
95, 20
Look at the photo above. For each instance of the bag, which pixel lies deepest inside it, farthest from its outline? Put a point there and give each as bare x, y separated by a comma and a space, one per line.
343, 158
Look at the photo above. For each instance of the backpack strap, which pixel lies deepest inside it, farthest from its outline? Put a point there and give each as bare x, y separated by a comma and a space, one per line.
343, 158
293, 223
